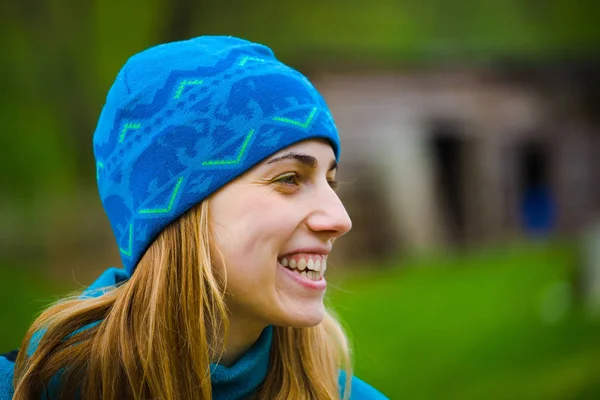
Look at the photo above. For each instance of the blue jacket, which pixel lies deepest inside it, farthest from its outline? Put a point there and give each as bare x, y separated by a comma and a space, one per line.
235, 382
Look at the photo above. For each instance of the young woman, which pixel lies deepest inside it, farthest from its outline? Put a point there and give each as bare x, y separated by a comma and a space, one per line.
216, 166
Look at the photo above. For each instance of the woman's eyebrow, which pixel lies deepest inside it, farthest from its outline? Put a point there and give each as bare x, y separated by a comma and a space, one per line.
302, 158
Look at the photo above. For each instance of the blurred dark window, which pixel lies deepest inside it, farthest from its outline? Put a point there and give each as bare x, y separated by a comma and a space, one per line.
537, 201
447, 145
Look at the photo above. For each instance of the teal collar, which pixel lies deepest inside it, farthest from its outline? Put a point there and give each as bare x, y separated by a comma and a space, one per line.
247, 374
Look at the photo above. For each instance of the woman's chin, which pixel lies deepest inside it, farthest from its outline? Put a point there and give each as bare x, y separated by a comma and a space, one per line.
307, 317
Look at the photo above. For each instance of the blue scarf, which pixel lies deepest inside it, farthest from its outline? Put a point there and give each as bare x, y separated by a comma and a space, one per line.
244, 377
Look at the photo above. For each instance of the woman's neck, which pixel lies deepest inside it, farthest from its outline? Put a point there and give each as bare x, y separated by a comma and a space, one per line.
242, 335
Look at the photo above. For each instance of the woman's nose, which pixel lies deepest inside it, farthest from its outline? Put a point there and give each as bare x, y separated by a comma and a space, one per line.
329, 216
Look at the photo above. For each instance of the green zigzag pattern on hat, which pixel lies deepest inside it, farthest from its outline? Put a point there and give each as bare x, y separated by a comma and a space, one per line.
128, 251
298, 123
246, 59
186, 83
169, 206
239, 156
99, 166
126, 128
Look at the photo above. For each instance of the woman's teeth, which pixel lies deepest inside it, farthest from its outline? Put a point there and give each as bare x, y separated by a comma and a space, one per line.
313, 268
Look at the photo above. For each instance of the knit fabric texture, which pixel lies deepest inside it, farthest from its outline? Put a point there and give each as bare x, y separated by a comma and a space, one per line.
183, 119
7, 372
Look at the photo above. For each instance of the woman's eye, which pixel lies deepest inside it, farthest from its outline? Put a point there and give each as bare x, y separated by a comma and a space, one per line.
288, 179
333, 183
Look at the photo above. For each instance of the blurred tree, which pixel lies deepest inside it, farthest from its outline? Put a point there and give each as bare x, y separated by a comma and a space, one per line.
180, 25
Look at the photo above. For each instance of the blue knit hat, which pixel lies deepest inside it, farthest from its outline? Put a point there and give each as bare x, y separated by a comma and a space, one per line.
183, 119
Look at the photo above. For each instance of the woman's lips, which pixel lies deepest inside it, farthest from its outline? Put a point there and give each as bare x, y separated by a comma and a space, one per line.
308, 279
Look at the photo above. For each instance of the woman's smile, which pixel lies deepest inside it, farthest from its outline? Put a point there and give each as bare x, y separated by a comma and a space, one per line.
315, 282
307, 269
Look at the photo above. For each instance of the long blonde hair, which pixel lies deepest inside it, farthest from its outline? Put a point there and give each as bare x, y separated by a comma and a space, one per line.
155, 335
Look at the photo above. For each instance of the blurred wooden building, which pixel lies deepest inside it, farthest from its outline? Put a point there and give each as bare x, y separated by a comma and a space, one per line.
461, 157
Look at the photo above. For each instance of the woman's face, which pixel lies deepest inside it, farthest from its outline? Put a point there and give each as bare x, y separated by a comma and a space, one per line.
275, 227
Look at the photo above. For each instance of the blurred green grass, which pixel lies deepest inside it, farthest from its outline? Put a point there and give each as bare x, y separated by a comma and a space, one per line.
473, 327
494, 324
